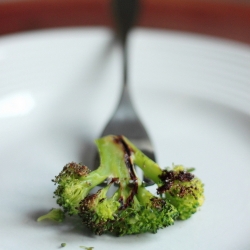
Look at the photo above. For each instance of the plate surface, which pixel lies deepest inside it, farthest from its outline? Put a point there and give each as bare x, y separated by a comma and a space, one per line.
59, 87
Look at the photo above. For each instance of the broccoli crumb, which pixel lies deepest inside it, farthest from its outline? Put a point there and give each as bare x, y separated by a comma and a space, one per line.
63, 245
87, 248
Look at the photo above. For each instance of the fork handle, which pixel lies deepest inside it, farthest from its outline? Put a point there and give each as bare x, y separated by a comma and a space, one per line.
125, 13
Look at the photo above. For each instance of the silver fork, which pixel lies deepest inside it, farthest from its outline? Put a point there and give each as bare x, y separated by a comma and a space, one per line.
125, 121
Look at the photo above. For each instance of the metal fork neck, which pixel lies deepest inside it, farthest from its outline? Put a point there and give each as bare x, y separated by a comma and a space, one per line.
125, 63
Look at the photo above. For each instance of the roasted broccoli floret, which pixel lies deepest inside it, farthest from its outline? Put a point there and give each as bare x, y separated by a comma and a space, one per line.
74, 183
182, 189
130, 208
177, 185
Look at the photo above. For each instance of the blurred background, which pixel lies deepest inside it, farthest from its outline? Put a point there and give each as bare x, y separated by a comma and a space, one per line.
223, 18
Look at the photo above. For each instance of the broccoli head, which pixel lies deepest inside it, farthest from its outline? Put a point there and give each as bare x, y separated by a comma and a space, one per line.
177, 185
74, 183
124, 205
182, 189
145, 213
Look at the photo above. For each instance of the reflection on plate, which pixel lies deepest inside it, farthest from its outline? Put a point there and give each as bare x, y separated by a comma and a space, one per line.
58, 89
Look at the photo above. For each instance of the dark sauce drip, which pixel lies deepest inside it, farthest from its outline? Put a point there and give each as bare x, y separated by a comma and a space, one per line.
114, 180
121, 202
127, 159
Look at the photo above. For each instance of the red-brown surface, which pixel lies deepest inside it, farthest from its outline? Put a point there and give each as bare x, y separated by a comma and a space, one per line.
223, 19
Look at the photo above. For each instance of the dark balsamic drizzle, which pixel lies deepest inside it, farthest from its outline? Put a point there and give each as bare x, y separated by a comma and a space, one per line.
128, 162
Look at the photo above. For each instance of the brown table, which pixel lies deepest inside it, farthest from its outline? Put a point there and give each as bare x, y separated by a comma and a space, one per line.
227, 19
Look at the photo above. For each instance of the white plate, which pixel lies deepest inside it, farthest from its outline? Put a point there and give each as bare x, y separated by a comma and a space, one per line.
58, 89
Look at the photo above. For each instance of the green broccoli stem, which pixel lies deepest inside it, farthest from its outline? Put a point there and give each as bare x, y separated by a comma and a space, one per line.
144, 196
150, 168
55, 214
117, 163
94, 178
111, 155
